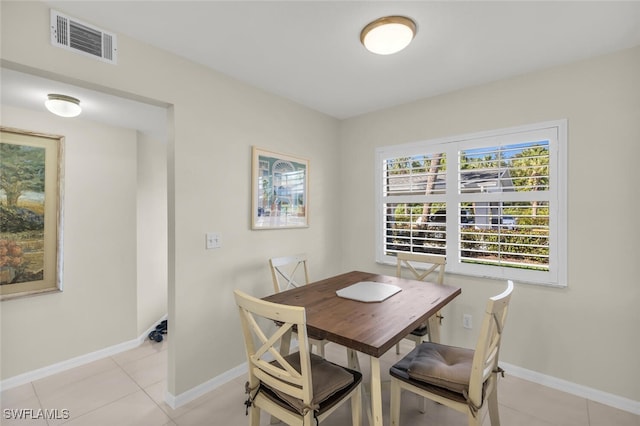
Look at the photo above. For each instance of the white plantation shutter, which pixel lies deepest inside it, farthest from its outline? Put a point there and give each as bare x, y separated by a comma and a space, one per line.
493, 203
414, 187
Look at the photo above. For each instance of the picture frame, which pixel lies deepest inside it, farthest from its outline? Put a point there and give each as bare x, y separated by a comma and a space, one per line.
31, 203
279, 190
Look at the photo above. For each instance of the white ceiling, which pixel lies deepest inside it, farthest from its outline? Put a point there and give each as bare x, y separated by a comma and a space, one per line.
310, 52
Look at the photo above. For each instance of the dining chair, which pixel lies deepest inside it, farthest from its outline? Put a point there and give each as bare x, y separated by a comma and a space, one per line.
422, 266
286, 270
290, 272
463, 379
300, 388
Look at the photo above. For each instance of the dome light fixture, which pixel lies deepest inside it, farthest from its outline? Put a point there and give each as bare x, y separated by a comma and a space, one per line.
63, 105
388, 35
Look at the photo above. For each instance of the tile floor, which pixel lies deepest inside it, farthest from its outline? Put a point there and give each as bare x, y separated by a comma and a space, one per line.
128, 389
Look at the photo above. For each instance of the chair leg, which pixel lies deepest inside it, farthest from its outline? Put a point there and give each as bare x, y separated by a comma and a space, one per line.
434, 329
492, 401
398, 348
423, 407
319, 344
356, 407
254, 416
395, 403
308, 418
474, 421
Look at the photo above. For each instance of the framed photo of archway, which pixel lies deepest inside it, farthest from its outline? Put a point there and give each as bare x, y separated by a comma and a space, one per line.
280, 190
31, 173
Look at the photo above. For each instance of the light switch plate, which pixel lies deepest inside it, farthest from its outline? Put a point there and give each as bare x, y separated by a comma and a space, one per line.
213, 240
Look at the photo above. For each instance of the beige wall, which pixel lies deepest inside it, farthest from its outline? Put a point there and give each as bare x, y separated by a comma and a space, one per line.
215, 120
97, 308
151, 231
571, 333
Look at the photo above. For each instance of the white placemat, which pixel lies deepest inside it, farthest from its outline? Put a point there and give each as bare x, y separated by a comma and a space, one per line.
368, 291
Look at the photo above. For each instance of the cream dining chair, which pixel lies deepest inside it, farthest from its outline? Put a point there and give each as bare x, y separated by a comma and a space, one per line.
422, 266
289, 272
299, 388
463, 379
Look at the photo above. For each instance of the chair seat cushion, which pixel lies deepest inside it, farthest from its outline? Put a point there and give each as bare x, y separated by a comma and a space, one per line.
327, 379
444, 366
422, 330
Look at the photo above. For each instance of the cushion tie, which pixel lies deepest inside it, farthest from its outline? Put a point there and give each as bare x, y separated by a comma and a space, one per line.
248, 389
313, 407
472, 407
306, 408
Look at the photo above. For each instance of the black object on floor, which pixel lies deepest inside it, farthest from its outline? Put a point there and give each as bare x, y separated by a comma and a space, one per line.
156, 335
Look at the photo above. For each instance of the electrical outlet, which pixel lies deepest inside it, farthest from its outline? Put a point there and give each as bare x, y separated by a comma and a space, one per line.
467, 321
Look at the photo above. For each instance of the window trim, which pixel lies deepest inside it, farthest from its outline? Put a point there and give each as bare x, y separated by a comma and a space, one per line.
558, 162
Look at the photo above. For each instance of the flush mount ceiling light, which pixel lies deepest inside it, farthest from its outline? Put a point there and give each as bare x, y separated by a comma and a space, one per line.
63, 105
388, 35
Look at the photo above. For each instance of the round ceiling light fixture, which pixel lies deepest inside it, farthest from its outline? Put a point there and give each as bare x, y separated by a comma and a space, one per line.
388, 35
63, 105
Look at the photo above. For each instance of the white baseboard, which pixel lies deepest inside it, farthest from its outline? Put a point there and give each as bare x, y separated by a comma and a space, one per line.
196, 392
59, 367
596, 395
605, 398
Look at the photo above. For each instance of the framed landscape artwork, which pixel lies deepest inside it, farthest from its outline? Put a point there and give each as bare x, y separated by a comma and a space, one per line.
30, 212
280, 190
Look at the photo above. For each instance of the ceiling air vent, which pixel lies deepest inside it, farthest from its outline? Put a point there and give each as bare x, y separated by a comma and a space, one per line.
72, 34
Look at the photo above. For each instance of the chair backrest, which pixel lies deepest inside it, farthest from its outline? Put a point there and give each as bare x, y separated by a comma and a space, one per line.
262, 340
428, 264
289, 271
485, 359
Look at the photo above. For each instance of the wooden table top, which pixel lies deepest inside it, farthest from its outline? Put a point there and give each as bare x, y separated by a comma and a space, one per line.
368, 327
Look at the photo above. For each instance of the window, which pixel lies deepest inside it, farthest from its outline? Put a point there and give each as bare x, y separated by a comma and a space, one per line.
494, 203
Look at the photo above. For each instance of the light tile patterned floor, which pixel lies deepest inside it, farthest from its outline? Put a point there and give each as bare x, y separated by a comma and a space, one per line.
128, 389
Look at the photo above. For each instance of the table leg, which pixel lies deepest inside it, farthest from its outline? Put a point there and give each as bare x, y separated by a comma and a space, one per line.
434, 328
376, 393
285, 343
352, 360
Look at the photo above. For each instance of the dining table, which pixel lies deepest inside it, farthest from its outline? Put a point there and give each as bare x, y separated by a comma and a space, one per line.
369, 323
